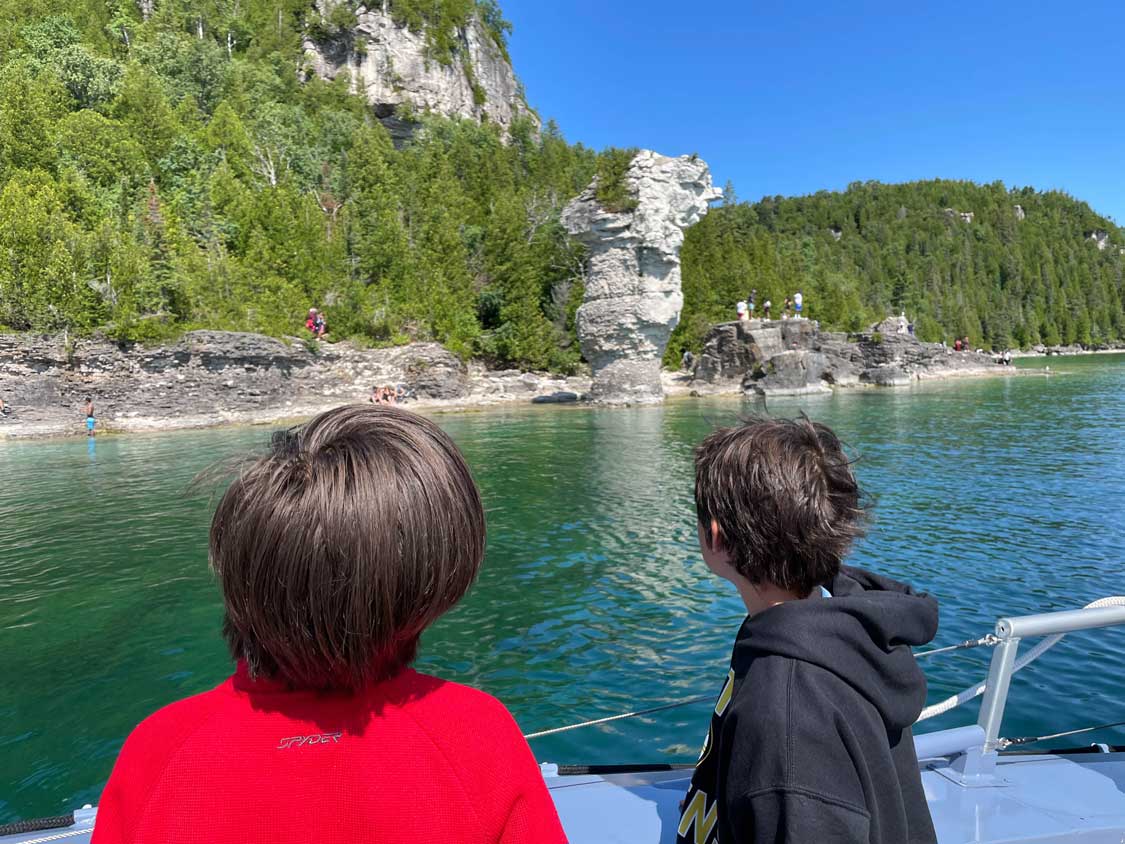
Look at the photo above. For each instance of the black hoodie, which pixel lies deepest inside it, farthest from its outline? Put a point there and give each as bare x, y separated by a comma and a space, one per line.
811, 740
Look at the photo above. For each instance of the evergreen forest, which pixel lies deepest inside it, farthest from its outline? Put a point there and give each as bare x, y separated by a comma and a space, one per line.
168, 165
180, 172
1004, 267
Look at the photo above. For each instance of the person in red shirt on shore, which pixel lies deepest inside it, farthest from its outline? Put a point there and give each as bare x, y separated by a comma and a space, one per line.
334, 553
315, 323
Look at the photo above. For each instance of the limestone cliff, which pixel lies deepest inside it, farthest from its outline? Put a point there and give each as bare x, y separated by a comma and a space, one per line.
393, 66
633, 296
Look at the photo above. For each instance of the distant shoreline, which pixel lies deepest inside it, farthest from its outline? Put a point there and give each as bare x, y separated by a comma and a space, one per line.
219, 379
71, 426
1119, 350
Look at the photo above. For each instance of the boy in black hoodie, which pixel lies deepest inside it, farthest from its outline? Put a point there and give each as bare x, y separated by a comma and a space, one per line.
810, 740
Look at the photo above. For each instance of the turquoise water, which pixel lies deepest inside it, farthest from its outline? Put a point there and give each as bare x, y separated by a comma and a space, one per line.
1000, 496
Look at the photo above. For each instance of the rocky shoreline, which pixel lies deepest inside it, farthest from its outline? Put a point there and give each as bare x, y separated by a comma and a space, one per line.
210, 378
794, 357
1067, 351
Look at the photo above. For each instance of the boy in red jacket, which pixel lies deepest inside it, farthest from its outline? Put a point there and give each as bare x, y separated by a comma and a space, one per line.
334, 553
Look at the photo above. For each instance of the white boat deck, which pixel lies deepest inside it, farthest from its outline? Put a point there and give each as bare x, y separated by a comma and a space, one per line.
1067, 799
1071, 799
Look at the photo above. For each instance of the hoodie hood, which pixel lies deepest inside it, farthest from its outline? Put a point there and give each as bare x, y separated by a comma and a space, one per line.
863, 634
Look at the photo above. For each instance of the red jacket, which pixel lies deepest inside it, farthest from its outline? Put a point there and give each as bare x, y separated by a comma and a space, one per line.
415, 759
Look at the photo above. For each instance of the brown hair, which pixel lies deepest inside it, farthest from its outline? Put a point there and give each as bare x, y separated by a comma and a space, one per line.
784, 497
337, 549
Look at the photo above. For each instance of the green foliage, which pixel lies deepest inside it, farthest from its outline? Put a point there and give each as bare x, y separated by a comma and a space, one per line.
143, 108
494, 23
29, 108
39, 285
339, 23
342, 17
173, 173
53, 45
480, 96
102, 150
613, 190
999, 280
443, 21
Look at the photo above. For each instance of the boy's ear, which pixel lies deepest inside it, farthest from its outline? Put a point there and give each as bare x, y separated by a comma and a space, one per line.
715, 537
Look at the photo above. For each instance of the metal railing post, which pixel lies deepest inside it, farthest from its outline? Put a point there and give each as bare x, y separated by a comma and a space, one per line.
996, 698
976, 766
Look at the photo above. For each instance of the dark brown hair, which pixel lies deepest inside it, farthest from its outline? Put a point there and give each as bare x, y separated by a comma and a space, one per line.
336, 550
785, 499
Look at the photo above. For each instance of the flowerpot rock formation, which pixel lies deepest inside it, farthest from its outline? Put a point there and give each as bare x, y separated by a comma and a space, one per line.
633, 296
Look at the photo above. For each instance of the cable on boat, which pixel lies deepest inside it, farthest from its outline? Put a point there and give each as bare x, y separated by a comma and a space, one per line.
1005, 743
939, 708
990, 641
976, 691
623, 715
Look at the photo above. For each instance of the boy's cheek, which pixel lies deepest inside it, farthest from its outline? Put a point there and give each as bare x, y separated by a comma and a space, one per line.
721, 567
717, 561
715, 557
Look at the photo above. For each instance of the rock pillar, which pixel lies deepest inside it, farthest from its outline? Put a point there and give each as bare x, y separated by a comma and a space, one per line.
633, 297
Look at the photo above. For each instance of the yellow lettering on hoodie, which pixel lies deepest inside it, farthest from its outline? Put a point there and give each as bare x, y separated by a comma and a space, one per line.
725, 695
701, 816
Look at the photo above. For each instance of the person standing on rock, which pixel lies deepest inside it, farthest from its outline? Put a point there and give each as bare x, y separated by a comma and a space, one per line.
788, 306
741, 310
766, 309
750, 303
315, 323
798, 303
89, 411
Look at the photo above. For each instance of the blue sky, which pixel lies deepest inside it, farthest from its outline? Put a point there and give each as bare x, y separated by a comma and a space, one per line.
794, 97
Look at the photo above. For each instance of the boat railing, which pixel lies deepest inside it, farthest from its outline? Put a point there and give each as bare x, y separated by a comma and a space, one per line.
972, 750
976, 763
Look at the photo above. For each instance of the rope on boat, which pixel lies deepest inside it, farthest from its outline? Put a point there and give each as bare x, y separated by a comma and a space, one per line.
929, 712
1005, 743
74, 833
972, 692
36, 824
